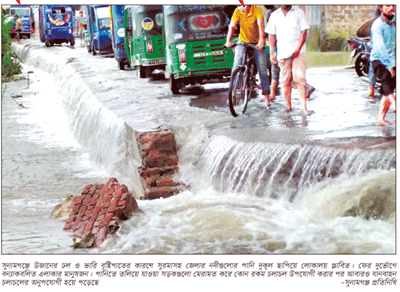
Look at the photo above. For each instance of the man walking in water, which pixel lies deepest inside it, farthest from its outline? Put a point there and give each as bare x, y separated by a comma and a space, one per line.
383, 58
251, 22
287, 30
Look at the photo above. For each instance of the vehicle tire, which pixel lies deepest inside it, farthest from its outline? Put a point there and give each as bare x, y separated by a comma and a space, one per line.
72, 42
47, 43
142, 72
121, 64
93, 51
238, 98
362, 66
174, 84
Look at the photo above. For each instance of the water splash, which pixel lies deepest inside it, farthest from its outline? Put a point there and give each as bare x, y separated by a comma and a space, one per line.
281, 170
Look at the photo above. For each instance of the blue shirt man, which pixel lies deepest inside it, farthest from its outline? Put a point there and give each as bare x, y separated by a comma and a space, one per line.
383, 38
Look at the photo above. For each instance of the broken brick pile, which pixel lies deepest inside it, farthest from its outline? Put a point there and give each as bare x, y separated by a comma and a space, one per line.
160, 164
98, 212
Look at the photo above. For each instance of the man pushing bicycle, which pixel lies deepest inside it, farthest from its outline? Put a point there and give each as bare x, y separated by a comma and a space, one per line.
251, 21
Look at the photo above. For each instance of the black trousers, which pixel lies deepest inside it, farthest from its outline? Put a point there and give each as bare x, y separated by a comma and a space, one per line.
388, 83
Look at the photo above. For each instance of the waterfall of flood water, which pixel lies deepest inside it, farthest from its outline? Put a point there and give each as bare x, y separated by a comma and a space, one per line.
281, 170
111, 141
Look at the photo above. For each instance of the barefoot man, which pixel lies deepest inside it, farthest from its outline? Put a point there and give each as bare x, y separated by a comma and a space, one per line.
287, 29
383, 57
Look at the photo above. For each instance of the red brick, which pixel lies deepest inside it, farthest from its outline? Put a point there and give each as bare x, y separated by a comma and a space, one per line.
156, 193
78, 200
150, 172
155, 154
150, 182
93, 201
82, 210
110, 182
101, 200
76, 208
108, 218
96, 211
167, 182
100, 236
121, 190
172, 160
113, 205
101, 217
111, 190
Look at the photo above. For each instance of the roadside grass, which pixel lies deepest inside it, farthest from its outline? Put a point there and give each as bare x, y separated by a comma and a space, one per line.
328, 59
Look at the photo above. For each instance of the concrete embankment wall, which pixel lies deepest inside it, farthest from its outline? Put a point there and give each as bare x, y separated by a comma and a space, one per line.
148, 158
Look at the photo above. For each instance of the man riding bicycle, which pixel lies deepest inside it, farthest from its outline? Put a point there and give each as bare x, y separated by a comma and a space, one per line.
251, 22
81, 23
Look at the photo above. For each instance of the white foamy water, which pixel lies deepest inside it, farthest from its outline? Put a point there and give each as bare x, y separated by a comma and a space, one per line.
209, 221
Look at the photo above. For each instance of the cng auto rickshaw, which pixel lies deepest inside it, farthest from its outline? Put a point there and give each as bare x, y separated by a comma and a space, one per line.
144, 41
98, 29
56, 24
118, 34
195, 36
24, 13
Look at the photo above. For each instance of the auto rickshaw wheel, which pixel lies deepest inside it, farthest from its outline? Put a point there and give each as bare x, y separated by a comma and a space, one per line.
174, 84
143, 72
72, 42
47, 43
121, 64
89, 48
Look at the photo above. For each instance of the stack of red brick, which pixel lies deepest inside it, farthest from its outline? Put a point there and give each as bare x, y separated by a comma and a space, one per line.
160, 164
99, 210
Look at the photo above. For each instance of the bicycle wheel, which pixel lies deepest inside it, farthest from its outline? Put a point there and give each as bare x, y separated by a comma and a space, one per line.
238, 93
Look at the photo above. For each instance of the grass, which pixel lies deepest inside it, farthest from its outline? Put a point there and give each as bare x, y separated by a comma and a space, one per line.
327, 59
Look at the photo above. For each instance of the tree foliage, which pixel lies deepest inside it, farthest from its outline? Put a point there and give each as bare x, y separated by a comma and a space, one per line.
9, 60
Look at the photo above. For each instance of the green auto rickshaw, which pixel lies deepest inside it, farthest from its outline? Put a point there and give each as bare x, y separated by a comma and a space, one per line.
144, 41
195, 36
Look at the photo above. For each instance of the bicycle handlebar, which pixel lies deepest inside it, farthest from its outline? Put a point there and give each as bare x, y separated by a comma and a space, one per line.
243, 44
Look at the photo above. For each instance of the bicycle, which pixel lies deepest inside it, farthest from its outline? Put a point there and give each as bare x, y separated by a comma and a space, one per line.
243, 82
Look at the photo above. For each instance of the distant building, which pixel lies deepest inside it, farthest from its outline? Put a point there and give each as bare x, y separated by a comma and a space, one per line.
332, 25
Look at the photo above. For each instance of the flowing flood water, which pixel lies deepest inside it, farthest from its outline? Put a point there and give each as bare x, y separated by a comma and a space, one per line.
263, 183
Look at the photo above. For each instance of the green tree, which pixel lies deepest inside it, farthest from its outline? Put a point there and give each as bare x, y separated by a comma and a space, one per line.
9, 60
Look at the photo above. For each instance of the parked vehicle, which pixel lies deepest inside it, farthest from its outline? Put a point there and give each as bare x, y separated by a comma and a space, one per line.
361, 50
145, 45
98, 29
56, 24
25, 13
118, 35
195, 36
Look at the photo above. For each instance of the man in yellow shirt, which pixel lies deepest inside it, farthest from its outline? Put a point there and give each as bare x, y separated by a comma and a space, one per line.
251, 21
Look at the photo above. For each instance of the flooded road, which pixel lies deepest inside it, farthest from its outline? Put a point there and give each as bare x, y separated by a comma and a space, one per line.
265, 182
